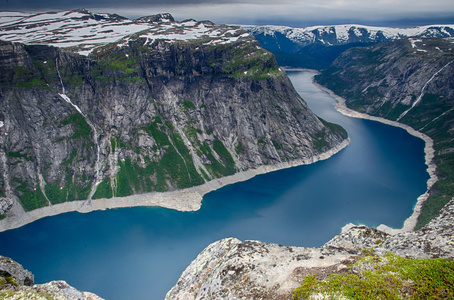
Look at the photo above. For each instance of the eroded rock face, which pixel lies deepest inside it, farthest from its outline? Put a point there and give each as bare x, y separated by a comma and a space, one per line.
231, 269
10, 268
17, 283
5, 205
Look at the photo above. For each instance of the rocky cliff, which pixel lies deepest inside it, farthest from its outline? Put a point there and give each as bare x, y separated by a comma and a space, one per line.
232, 269
18, 283
167, 105
410, 81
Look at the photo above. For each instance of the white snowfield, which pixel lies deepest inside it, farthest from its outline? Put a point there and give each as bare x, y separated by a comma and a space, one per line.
84, 31
342, 34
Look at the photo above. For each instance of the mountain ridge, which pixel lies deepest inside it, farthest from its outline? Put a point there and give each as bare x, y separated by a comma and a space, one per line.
173, 106
350, 33
317, 47
82, 31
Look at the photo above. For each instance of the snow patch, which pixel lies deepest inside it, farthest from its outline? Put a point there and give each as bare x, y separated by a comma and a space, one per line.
1, 124
414, 41
344, 34
84, 31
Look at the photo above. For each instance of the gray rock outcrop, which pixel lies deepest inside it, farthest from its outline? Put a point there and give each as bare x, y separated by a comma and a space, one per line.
10, 268
231, 269
17, 283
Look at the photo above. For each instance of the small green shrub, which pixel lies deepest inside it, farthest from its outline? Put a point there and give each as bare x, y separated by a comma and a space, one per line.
276, 145
187, 104
19, 154
11, 280
81, 127
103, 190
239, 148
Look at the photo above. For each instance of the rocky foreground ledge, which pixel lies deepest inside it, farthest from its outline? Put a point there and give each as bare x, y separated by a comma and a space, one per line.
232, 269
17, 283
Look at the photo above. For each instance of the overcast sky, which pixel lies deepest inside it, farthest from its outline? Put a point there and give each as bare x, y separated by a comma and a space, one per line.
297, 13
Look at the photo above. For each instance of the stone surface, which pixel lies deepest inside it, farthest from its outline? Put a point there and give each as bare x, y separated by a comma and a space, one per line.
231, 269
10, 268
17, 283
55, 290
5, 205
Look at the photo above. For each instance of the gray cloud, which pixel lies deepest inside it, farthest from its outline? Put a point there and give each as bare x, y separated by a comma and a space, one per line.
286, 12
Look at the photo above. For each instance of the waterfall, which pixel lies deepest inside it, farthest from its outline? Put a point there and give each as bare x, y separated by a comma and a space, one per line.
92, 126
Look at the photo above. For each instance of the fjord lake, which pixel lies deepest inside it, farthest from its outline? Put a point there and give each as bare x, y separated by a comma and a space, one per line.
139, 253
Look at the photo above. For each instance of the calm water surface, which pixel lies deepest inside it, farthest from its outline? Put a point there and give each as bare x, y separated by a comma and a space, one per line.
139, 253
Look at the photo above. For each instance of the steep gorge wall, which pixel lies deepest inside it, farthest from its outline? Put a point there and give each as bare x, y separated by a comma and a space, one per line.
145, 117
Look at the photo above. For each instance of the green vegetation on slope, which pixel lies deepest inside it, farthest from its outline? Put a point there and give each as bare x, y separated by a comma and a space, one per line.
388, 277
103, 190
30, 198
81, 127
319, 139
246, 60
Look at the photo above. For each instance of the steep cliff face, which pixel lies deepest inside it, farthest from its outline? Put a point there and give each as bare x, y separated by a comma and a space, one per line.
410, 81
152, 111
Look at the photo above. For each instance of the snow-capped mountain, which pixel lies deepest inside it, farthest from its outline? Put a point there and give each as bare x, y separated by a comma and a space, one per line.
317, 47
83, 31
345, 34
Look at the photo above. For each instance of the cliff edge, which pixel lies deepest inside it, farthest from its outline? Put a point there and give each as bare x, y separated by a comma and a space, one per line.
232, 269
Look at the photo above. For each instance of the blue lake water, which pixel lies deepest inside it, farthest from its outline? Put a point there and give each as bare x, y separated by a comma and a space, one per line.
139, 253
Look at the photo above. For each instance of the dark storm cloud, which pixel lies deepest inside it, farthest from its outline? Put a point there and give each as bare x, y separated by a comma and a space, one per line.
296, 13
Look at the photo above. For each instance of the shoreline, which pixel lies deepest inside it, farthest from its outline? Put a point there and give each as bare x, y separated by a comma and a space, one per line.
189, 199
410, 222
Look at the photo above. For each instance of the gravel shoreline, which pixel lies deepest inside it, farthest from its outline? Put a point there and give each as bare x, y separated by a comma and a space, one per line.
429, 151
189, 199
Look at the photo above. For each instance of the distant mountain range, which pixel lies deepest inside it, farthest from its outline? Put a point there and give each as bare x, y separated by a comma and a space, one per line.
317, 47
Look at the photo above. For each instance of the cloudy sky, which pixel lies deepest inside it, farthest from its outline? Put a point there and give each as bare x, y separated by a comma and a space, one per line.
297, 13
